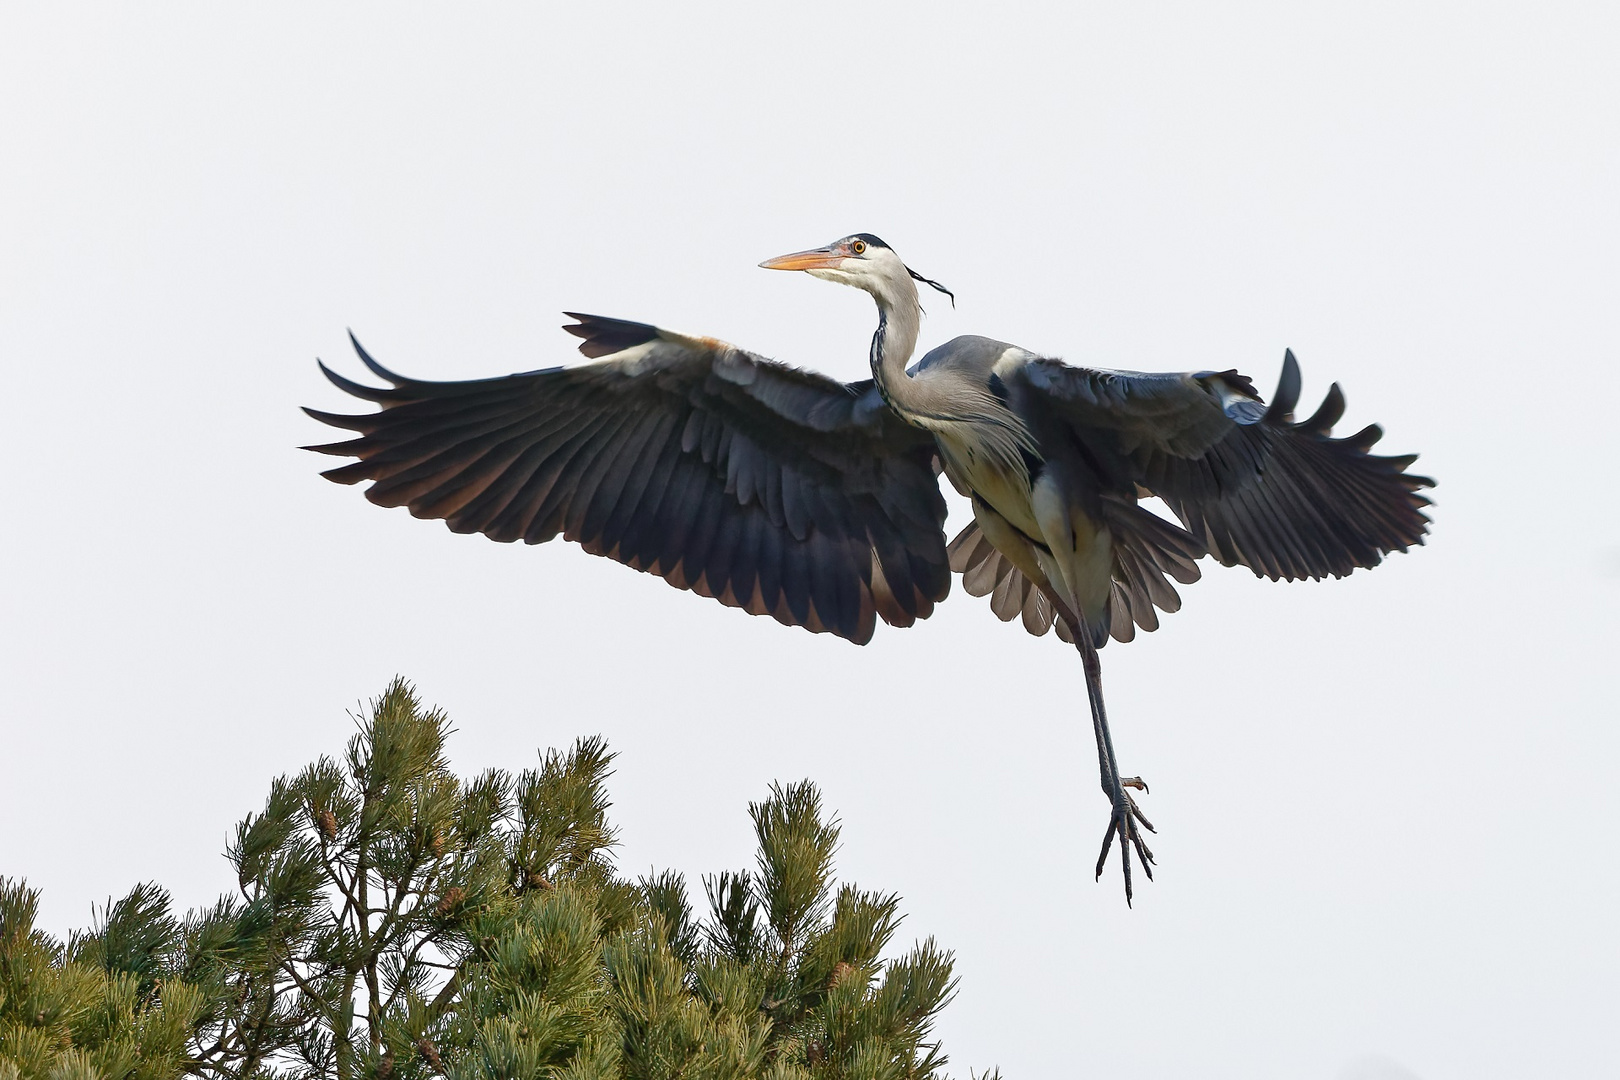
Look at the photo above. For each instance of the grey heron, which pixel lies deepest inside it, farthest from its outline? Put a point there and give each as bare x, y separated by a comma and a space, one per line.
786, 493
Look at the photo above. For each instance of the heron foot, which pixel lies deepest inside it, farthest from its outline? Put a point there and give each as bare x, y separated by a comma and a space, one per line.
1123, 820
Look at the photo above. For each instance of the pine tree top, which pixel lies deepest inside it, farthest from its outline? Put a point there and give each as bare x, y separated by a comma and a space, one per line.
395, 921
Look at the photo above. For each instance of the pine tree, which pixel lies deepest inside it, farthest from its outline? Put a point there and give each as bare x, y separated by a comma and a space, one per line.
393, 921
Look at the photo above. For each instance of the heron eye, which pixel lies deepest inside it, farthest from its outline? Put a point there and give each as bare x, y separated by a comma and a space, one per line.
858, 247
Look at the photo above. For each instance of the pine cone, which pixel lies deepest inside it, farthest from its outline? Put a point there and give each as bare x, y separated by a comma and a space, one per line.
385, 1067
430, 1053
436, 845
327, 822
452, 899
840, 972
815, 1053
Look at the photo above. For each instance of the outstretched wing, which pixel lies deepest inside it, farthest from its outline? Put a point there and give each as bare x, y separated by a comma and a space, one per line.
1285, 499
769, 488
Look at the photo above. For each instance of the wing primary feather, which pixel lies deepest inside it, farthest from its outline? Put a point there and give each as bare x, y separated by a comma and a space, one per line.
1287, 396
1327, 414
376, 368
359, 390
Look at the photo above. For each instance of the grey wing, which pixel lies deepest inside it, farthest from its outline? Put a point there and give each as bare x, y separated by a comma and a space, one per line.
1285, 499
768, 488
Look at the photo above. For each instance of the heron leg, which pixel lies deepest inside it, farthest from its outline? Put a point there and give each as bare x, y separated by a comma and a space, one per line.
1039, 566
1125, 814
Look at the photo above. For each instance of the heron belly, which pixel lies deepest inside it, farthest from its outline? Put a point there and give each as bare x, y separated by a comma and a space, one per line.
1006, 491
1079, 549
1075, 552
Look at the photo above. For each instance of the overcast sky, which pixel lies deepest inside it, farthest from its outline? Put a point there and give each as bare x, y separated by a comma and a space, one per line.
1387, 805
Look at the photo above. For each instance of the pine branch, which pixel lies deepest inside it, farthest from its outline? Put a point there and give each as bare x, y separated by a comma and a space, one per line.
390, 875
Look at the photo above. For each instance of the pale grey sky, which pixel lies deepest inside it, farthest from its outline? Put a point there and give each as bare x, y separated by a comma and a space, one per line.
1387, 805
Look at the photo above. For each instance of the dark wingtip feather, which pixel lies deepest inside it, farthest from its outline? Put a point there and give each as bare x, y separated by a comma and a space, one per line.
340, 420
1414, 481
346, 448
1365, 439
581, 326
1327, 414
376, 368
352, 473
349, 386
604, 336
1400, 463
1287, 396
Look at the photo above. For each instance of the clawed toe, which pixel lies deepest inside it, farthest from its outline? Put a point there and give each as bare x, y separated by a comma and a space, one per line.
1122, 820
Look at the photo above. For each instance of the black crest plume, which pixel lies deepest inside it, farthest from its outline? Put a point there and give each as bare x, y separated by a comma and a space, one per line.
931, 283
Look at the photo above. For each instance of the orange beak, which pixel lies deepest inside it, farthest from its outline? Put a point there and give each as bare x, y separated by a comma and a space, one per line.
825, 258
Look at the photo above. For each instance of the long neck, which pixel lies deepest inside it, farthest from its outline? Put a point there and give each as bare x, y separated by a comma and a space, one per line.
959, 410
899, 323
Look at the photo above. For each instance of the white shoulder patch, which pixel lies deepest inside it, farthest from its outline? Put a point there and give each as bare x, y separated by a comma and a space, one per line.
633, 360
669, 347
1011, 357
1234, 402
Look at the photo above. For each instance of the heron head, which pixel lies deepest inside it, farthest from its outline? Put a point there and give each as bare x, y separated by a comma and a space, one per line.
861, 260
